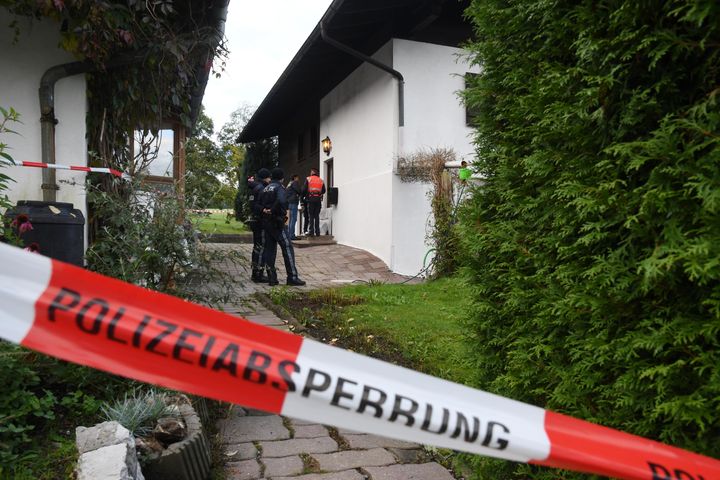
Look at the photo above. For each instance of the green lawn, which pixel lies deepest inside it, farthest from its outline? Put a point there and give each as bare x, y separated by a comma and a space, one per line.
217, 222
417, 326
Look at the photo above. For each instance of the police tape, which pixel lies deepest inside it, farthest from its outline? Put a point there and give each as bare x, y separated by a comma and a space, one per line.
77, 168
86, 318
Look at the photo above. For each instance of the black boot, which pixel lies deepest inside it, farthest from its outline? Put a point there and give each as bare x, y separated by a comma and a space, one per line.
261, 276
295, 281
272, 277
256, 275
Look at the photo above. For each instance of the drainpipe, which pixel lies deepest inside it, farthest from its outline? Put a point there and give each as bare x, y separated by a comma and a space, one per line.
48, 120
47, 111
372, 61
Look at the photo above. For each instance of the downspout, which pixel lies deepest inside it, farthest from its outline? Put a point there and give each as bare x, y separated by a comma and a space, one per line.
47, 112
48, 120
372, 61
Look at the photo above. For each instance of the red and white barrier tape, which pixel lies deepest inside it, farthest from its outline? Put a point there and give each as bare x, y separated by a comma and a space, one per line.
55, 166
86, 318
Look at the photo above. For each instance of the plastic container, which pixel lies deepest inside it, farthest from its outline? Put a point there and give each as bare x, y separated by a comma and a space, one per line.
58, 229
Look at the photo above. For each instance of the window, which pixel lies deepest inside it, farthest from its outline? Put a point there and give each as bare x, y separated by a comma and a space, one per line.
471, 111
153, 153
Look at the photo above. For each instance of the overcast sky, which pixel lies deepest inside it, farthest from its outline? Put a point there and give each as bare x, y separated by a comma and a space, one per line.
263, 36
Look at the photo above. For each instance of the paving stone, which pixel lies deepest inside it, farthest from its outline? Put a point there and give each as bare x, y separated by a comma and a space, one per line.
373, 441
297, 422
422, 471
249, 429
310, 431
297, 446
283, 466
257, 413
237, 411
267, 321
241, 451
415, 455
245, 470
335, 462
346, 475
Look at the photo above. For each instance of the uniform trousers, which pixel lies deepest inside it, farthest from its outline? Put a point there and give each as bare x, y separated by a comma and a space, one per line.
258, 243
314, 214
276, 235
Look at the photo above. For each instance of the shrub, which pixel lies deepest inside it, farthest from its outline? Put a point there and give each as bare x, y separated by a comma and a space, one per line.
144, 239
594, 244
44, 397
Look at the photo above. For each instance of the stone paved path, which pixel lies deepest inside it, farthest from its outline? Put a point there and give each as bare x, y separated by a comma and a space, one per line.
263, 446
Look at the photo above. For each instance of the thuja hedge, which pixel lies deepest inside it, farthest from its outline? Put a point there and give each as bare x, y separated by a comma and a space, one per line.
594, 244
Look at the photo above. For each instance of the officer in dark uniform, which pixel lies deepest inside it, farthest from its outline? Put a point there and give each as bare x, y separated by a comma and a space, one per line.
274, 209
257, 185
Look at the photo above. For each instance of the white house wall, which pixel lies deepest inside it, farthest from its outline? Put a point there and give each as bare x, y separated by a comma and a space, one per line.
23, 64
434, 118
360, 116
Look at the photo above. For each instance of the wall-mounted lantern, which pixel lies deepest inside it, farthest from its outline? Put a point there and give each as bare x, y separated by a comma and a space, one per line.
326, 145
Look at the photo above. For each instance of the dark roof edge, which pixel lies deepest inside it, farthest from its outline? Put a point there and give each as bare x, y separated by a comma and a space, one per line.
327, 16
219, 14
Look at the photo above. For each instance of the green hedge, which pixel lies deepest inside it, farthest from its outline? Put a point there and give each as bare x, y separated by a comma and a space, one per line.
595, 241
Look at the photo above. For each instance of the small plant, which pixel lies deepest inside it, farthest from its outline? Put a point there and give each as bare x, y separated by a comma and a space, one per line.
281, 295
8, 233
139, 412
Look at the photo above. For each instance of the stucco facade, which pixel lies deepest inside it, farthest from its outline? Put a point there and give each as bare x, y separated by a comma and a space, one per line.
376, 211
23, 60
360, 116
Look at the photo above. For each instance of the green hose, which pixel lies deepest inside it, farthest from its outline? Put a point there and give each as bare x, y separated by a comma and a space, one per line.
426, 256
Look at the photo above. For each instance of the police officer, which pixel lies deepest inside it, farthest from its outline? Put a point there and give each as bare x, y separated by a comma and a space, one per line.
256, 185
274, 210
313, 190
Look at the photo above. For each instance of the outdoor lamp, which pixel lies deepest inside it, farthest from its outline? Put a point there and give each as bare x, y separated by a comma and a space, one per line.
326, 145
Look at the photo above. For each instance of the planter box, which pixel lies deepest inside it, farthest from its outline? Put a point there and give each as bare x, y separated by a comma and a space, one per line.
189, 459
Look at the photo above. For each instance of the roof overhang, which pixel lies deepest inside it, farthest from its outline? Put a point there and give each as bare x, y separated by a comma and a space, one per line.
365, 26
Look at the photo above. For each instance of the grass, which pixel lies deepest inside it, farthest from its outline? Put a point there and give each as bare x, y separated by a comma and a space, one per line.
417, 326
424, 320
54, 458
217, 222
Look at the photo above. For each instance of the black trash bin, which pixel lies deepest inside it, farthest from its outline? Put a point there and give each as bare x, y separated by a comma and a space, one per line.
58, 229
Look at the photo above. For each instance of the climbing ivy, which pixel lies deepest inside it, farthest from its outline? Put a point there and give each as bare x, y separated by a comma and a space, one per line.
594, 244
150, 58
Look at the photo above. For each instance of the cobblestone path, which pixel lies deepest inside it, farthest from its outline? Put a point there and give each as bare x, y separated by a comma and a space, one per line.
262, 446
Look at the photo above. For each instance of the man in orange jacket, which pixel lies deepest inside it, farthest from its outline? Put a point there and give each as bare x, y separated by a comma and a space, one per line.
313, 190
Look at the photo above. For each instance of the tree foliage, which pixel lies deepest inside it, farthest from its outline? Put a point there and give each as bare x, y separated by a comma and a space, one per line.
259, 154
212, 168
595, 240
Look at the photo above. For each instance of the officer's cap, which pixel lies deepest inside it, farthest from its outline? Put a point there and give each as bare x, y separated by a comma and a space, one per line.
277, 173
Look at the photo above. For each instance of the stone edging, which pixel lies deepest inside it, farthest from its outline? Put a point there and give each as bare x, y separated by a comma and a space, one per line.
226, 237
281, 312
